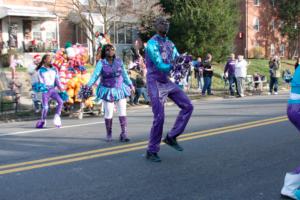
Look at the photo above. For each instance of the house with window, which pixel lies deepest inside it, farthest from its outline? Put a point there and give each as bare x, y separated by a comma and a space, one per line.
28, 28
32, 26
259, 34
122, 28
122, 33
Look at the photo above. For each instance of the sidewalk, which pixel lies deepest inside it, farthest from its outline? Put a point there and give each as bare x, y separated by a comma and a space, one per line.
26, 112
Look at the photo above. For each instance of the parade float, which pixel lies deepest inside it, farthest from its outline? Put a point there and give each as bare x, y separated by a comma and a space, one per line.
71, 63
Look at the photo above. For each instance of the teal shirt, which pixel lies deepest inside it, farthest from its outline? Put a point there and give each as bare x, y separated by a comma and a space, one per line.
295, 86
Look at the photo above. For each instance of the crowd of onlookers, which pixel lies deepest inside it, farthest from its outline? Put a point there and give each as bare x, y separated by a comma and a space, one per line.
137, 73
235, 72
235, 76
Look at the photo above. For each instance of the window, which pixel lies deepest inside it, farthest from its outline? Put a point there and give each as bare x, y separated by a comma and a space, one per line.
111, 32
36, 30
121, 33
282, 50
124, 32
256, 24
272, 49
49, 27
129, 34
50, 36
256, 2
44, 34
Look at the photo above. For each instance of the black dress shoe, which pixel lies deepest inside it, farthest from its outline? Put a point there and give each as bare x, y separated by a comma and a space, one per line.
124, 139
152, 157
172, 142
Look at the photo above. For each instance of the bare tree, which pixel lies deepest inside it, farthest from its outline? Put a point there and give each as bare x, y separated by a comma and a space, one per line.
147, 13
110, 11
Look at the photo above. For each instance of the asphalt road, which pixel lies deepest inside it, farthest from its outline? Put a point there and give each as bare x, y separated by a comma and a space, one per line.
234, 149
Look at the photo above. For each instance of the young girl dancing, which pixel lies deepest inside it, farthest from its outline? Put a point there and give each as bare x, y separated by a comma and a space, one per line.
48, 80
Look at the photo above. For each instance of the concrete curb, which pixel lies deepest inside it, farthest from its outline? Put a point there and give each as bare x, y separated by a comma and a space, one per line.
194, 97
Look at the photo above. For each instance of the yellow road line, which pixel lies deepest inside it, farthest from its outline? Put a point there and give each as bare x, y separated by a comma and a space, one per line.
72, 155
232, 130
234, 126
129, 145
134, 147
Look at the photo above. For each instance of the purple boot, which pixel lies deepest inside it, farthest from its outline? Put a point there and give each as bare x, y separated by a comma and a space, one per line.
108, 125
40, 124
123, 135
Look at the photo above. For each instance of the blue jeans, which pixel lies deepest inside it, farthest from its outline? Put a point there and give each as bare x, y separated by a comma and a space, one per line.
232, 80
273, 84
207, 85
200, 82
139, 92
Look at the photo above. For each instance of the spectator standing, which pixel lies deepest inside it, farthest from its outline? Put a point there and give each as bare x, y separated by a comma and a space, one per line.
198, 71
141, 89
207, 75
229, 72
187, 79
240, 74
133, 80
274, 69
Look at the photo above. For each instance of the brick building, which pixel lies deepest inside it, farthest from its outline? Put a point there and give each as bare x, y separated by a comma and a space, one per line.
259, 34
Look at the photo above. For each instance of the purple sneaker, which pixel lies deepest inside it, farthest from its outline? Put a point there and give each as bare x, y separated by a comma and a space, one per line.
40, 124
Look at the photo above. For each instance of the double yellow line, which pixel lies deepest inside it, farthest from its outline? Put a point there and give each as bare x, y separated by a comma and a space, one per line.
59, 160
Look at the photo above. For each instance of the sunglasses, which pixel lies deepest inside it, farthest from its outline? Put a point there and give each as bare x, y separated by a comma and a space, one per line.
111, 48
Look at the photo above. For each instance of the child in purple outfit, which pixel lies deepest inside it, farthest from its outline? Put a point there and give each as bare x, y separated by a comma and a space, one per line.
48, 80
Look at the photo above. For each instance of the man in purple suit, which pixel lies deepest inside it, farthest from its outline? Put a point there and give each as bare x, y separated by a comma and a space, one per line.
160, 53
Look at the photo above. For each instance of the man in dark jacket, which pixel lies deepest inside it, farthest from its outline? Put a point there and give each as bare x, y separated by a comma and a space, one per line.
229, 72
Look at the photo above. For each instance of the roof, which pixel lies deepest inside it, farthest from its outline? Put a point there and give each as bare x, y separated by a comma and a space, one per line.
25, 11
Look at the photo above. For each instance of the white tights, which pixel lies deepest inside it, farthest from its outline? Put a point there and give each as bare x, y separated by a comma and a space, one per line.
109, 108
